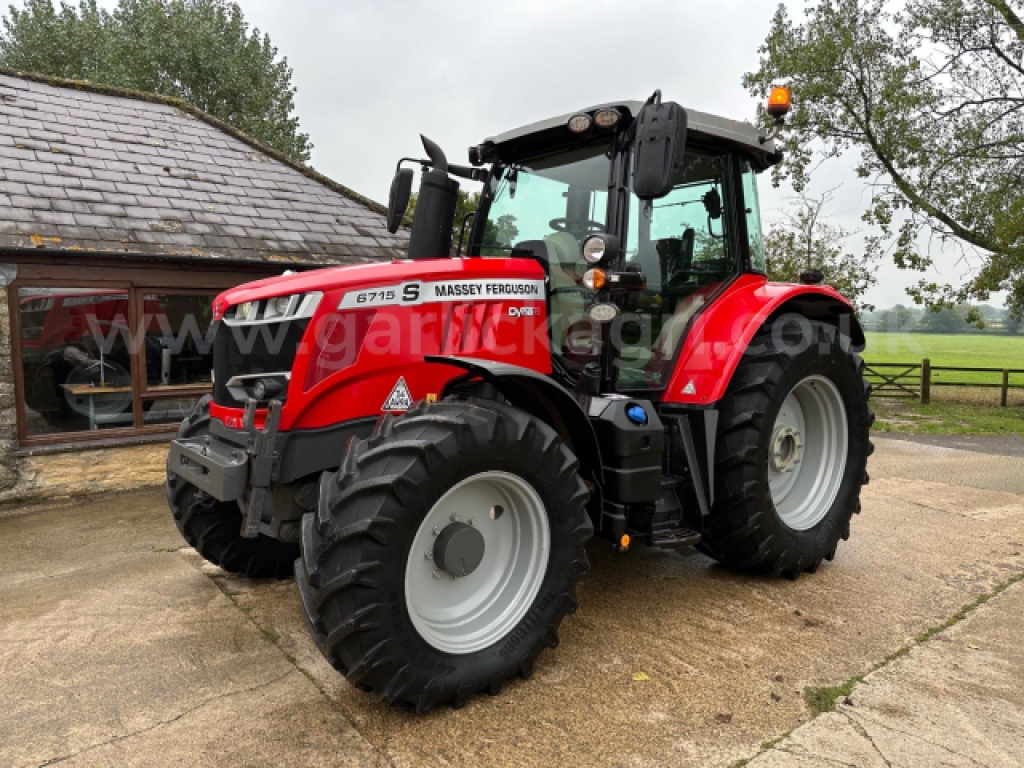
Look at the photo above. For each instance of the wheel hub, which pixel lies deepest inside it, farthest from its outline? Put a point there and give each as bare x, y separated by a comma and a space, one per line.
807, 453
477, 562
786, 448
458, 549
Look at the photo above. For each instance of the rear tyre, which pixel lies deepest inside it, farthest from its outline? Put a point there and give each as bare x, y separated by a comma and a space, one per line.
213, 528
444, 552
791, 452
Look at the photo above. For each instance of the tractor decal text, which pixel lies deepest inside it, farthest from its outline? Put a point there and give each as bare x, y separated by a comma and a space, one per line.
415, 292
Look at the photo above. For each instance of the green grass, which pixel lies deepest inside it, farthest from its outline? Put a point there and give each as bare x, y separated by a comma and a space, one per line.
947, 418
960, 350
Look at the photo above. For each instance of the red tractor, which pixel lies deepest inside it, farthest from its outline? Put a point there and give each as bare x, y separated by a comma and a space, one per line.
429, 444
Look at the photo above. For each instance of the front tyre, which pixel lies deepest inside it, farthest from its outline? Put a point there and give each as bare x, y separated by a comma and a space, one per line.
445, 551
791, 452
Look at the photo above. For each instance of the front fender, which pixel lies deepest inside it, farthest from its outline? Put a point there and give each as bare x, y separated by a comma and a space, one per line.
723, 331
542, 397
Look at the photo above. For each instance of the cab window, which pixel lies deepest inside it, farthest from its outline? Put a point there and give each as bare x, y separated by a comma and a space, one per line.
682, 245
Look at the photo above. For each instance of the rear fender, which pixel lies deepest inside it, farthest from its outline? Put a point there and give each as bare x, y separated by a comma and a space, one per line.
723, 331
539, 396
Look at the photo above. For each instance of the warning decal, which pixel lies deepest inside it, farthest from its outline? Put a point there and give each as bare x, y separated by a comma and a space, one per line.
689, 389
399, 399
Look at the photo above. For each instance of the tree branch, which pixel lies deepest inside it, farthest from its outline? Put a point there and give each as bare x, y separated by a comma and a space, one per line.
1004, 10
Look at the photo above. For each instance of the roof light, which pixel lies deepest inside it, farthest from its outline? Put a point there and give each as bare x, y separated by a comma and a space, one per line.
594, 279
606, 118
579, 123
779, 102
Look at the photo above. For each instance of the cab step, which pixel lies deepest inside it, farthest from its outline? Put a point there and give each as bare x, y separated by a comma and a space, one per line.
674, 538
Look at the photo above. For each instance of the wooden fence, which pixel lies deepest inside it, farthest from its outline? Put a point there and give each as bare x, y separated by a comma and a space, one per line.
914, 381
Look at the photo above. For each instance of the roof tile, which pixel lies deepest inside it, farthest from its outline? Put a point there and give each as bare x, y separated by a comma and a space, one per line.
115, 172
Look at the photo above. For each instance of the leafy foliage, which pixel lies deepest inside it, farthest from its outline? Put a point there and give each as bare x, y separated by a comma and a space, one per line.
201, 51
897, 319
805, 240
930, 95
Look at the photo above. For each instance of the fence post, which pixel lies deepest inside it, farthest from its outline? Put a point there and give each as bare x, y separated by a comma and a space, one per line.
1006, 387
926, 381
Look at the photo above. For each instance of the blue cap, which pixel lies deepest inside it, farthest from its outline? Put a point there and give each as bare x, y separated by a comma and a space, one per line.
636, 414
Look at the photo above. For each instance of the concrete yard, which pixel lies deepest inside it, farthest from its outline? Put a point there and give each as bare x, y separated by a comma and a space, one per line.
119, 647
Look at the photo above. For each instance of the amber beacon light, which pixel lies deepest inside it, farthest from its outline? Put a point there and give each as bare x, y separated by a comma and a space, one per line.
779, 102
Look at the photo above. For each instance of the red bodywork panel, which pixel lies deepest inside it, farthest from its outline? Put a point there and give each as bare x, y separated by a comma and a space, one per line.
722, 332
509, 330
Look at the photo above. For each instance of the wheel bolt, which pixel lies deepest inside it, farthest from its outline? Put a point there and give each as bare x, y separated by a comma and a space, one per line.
428, 555
436, 531
454, 517
470, 521
437, 574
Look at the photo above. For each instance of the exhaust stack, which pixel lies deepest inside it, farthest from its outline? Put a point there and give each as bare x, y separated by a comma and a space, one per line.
435, 208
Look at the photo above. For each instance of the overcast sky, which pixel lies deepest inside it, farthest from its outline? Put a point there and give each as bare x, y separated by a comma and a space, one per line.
373, 74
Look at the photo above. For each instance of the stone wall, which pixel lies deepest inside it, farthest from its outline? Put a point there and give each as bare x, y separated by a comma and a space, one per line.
81, 472
8, 412
43, 475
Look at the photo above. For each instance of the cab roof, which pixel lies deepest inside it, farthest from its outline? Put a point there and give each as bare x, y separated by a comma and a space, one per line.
736, 132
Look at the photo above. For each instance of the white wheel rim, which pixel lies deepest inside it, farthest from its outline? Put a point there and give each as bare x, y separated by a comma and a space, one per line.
807, 453
472, 612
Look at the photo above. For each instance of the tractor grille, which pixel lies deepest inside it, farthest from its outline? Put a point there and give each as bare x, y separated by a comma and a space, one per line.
240, 350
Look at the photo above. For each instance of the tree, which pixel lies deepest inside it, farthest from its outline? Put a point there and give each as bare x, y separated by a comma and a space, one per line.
200, 51
943, 320
805, 240
930, 96
897, 320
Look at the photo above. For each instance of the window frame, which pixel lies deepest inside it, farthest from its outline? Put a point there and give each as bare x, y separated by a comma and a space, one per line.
136, 281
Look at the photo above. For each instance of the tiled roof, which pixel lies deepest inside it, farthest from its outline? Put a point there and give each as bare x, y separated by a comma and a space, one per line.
100, 170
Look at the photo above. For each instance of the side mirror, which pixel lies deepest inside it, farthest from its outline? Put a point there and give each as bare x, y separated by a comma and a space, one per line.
713, 203
660, 145
398, 200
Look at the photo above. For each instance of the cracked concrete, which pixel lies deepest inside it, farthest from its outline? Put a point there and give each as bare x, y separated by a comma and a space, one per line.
956, 700
117, 650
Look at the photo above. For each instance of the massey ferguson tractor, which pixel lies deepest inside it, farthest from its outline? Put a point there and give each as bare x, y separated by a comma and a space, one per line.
429, 444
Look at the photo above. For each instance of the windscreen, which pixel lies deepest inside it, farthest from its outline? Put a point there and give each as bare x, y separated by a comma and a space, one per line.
559, 199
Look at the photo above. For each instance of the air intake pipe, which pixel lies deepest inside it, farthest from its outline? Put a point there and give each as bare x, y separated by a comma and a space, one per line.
435, 208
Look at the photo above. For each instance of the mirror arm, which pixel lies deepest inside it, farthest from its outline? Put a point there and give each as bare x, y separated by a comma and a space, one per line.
465, 172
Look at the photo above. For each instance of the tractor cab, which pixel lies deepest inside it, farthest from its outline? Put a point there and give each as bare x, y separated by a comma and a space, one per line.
629, 265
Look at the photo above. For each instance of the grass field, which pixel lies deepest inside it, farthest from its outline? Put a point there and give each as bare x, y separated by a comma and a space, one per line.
971, 350
953, 410
947, 418
960, 350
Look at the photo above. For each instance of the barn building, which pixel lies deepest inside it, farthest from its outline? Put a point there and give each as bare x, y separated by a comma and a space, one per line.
121, 216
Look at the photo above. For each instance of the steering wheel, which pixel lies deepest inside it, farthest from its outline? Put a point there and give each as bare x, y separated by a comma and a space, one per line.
572, 226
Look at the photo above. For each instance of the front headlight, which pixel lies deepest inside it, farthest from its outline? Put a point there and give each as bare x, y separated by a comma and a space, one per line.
278, 306
593, 249
276, 309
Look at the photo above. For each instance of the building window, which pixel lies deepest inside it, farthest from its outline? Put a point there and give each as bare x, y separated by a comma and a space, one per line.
178, 353
75, 359
96, 361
